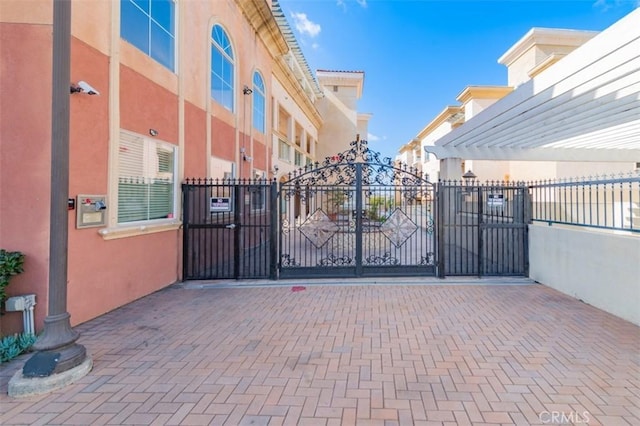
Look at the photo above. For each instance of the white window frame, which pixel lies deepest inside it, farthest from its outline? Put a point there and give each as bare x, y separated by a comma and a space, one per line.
148, 173
259, 118
172, 67
228, 54
258, 198
284, 151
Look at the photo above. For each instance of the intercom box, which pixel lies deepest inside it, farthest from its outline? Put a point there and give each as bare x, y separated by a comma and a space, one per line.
91, 211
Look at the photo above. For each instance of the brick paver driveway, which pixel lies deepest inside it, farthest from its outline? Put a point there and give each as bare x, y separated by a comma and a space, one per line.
324, 355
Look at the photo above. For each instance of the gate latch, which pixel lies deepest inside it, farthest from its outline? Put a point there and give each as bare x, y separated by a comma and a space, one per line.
231, 226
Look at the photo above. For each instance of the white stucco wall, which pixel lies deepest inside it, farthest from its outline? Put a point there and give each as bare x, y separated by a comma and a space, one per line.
529, 171
430, 163
601, 268
476, 106
339, 128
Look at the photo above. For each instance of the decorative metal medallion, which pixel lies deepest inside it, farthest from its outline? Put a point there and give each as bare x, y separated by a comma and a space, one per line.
318, 228
398, 228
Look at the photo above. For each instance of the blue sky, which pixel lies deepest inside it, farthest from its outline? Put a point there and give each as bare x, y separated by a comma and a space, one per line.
418, 55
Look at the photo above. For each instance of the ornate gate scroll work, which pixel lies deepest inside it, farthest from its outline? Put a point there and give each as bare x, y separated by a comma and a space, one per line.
357, 214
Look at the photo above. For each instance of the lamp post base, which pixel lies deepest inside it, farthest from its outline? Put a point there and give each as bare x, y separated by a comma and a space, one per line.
21, 386
46, 363
56, 348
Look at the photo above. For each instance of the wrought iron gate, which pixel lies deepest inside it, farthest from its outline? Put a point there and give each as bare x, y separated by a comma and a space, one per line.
228, 229
482, 229
356, 215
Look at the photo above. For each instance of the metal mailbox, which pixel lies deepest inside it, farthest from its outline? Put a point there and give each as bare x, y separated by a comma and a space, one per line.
91, 211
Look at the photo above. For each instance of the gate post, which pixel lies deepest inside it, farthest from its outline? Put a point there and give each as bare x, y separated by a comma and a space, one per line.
238, 203
359, 215
480, 229
527, 208
440, 250
274, 234
185, 226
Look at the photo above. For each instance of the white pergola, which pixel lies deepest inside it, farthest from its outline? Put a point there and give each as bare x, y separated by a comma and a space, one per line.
586, 107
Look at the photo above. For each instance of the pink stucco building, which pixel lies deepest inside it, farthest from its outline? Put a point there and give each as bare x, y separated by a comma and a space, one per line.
186, 89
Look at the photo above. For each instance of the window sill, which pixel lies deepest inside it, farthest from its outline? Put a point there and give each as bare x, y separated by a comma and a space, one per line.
116, 232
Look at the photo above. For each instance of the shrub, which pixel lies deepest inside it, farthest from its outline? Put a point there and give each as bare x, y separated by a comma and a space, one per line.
11, 263
13, 345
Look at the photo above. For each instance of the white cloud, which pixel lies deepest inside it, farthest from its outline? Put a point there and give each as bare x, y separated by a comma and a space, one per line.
601, 4
372, 138
605, 5
304, 25
343, 3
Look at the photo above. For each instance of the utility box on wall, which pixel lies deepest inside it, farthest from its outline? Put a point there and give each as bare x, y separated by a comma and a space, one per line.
91, 211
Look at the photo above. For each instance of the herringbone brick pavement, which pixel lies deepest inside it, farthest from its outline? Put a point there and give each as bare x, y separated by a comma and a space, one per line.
347, 355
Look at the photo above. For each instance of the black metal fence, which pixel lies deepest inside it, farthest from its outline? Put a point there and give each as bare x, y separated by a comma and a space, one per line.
606, 202
482, 228
228, 229
241, 229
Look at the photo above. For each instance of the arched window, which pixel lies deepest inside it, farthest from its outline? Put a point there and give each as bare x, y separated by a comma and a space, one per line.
259, 104
222, 68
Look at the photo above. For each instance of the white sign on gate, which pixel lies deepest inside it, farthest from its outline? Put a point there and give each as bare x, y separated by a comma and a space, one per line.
495, 200
220, 204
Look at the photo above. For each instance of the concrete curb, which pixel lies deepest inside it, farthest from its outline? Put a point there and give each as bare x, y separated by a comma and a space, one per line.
20, 386
418, 281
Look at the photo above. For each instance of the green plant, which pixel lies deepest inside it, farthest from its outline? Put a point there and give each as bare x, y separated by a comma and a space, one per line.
11, 264
378, 205
335, 201
13, 345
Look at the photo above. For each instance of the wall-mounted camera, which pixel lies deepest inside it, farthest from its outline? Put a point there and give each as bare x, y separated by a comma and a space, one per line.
83, 87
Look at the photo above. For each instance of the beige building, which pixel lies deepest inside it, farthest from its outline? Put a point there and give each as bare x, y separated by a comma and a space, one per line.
339, 108
317, 119
538, 56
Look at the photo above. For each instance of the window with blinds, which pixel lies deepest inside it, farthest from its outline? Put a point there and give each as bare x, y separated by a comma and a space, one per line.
146, 179
284, 150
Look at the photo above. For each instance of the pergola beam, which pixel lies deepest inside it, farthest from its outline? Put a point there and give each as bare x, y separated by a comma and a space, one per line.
537, 154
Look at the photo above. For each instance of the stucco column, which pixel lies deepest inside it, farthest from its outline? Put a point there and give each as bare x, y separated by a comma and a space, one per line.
451, 169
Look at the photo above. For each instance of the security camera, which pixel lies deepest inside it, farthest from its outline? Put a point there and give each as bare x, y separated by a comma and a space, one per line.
86, 87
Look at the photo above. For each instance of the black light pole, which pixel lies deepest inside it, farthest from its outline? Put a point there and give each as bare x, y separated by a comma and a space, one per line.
57, 350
